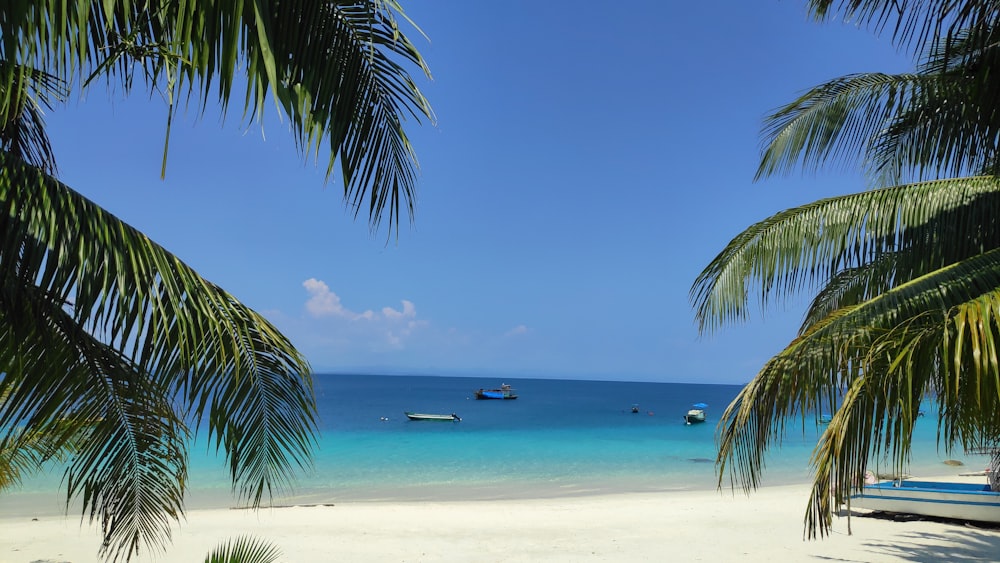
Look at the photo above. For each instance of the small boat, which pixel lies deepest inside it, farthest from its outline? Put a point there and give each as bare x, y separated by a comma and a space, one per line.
696, 413
504, 392
424, 416
960, 501
635, 409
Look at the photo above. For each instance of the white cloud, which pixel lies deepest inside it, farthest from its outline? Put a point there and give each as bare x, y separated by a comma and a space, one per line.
325, 303
409, 311
517, 330
391, 327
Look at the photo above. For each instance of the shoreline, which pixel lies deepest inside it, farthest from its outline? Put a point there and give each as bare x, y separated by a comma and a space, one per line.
764, 526
52, 503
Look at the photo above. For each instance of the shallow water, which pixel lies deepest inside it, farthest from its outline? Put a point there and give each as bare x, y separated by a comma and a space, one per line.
560, 437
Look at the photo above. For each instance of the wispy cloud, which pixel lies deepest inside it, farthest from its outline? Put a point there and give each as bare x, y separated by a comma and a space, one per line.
517, 330
409, 311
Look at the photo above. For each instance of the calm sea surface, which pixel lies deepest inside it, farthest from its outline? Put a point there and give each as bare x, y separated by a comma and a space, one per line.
560, 437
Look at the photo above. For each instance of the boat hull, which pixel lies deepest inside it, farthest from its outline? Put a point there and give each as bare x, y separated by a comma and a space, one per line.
504, 393
694, 416
433, 417
960, 501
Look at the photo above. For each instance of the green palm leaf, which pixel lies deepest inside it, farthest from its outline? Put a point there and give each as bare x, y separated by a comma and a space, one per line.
805, 247
166, 336
336, 70
25, 451
950, 126
840, 119
939, 121
128, 465
22, 127
912, 23
853, 286
109, 345
244, 550
936, 334
907, 278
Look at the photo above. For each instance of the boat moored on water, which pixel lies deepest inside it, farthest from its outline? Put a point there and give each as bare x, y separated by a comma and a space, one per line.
427, 416
695, 414
504, 392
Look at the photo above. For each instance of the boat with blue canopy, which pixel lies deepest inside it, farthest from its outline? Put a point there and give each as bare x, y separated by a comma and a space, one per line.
695, 414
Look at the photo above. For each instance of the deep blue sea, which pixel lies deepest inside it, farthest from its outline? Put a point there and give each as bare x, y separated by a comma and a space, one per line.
560, 437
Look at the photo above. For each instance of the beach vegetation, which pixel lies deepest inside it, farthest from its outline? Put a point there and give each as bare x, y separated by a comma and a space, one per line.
113, 352
244, 549
904, 277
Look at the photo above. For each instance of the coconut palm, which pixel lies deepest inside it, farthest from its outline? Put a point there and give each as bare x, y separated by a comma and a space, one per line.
906, 278
112, 350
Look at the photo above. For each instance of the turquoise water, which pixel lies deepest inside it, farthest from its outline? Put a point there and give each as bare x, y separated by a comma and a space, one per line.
560, 437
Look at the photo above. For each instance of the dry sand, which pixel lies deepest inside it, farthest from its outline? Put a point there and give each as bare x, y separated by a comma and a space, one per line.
668, 526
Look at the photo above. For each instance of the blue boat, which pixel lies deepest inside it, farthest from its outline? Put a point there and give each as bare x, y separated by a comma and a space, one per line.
504, 392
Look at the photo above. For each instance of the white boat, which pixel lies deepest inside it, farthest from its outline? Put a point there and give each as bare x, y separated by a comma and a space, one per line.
427, 416
696, 413
960, 501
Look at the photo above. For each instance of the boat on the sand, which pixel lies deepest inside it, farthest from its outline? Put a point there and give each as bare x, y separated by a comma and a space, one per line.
959, 501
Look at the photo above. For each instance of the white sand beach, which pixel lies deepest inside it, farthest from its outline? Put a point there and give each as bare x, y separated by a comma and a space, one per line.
668, 526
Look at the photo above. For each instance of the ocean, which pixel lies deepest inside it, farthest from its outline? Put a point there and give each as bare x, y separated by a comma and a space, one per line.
559, 438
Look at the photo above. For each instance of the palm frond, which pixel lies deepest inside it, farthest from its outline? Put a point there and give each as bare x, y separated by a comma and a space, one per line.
912, 23
908, 276
806, 246
852, 286
939, 121
128, 464
244, 550
22, 125
838, 120
950, 126
897, 128
936, 333
337, 70
68, 270
24, 451
131, 471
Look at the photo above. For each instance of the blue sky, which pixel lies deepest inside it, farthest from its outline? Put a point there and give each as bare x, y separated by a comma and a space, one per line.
587, 163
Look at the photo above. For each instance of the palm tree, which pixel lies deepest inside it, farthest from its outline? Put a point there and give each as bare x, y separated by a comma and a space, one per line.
112, 350
906, 278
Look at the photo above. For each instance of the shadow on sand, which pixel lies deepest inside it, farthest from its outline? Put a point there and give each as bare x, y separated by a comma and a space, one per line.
961, 541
